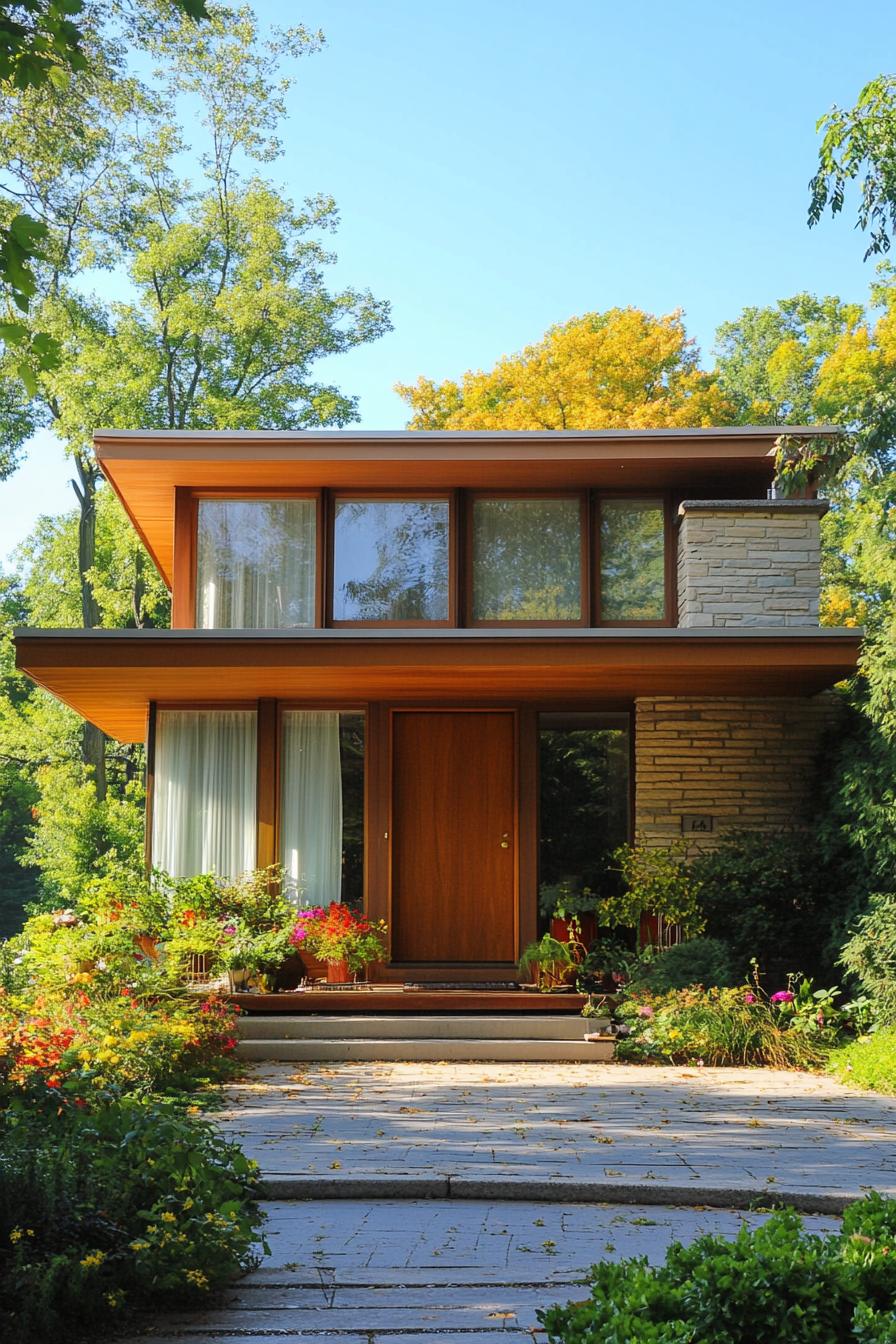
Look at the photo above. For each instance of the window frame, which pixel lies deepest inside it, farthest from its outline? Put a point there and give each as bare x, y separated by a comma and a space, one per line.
664, 499
253, 497
341, 495
585, 576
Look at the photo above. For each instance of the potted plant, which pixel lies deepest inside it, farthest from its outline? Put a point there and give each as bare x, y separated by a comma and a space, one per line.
194, 945
660, 896
346, 942
570, 908
257, 955
552, 962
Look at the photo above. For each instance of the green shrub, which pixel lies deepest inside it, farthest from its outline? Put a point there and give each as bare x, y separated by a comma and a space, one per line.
697, 961
770, 898
125, 1205
868, 1062
774, 1283
659, 881
870, 954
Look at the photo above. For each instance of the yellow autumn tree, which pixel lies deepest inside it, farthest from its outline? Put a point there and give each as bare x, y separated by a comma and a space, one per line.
615, 370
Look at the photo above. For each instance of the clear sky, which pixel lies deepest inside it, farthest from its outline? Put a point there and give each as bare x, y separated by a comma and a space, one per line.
504, 165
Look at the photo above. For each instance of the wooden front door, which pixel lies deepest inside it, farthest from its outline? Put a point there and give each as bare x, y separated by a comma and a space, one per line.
453, 837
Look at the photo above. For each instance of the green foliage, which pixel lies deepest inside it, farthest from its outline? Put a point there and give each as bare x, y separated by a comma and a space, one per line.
658, 880
859, 145
722, 1026
112, 1208
869, 954
774, 1282
696, 961
869, 1061
551, 961
769, 897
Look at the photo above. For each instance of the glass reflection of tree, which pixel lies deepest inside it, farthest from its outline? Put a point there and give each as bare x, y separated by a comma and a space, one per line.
632, 569
351, 752
409, 581
527, 560
261, 546
584, 804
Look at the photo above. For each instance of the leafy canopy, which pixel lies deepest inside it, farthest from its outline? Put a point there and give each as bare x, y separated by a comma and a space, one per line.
859, 145
618, 369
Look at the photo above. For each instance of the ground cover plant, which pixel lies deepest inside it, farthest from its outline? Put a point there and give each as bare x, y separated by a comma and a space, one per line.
115, 1193
793, 1027
774, 1283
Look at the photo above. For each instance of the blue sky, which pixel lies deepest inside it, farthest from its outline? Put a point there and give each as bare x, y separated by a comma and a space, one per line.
503, 165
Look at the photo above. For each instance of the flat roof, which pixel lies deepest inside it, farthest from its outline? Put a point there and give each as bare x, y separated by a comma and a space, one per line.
110, 676
146, 467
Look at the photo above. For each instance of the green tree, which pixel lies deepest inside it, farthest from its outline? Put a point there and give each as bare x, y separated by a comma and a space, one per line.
43, 44
859, 145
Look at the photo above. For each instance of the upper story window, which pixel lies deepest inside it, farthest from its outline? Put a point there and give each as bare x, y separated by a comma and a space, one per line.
527, 560
391, 560
632, 560
256, 563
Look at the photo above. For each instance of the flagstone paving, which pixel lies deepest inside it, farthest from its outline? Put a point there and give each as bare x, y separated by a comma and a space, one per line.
362, 1272
554, 1130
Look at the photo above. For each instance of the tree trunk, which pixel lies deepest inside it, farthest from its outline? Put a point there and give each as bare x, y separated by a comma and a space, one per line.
93, 741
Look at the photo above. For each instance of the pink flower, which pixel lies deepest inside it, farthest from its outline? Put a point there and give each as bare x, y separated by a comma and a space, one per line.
783, 996
749, 998
645, 1010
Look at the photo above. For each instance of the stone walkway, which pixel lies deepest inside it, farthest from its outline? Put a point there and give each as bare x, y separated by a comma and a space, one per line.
728, 1137
468, 1272
547, 1168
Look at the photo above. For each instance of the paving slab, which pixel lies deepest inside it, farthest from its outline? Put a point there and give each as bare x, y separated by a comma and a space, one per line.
435, 1270
515, 1131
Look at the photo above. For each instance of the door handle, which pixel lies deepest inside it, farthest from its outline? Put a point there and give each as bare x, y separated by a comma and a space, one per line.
505, 840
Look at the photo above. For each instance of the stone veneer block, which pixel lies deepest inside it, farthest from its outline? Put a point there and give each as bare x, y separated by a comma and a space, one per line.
749, 762
749, 562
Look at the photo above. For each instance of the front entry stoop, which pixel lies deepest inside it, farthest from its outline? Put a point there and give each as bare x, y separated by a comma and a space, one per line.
401, 1038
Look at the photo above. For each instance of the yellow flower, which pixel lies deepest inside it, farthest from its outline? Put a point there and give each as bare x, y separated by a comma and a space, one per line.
197, 1278
193, 1110
16, 1234
93, 1260
139, 1246
168, 1218
114, 1299
674, 1034
84, 1056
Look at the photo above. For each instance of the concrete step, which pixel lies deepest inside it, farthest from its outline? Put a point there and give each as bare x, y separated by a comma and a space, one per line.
279, 1027
453, 1049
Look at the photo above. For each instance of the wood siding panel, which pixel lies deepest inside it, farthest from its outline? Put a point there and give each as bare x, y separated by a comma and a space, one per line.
453, 838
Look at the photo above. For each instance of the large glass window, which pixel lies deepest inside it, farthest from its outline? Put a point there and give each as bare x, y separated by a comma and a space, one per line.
390, 560
632, 560
527, 560
584, 799
203, 804
256, 563
322, 806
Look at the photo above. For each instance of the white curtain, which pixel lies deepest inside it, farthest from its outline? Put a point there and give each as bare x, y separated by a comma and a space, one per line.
311, 806
203, 807
256, 564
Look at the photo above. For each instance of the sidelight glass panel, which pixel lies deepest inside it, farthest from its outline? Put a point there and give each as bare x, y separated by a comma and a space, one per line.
322, 806
256, 563
632, 560
527, 563
584, 798
203, 803
390, 560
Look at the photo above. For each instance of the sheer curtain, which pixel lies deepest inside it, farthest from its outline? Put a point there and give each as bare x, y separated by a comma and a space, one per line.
203, 809
256, 563
311, 806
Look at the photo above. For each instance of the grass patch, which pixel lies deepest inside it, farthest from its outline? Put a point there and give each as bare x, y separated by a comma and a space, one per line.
867, 1062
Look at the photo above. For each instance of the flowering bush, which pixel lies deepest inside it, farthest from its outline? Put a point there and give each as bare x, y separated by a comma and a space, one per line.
113, 1192
336, 934
718, 1026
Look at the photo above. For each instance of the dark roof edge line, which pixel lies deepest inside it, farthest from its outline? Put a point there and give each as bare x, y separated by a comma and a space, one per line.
482, 435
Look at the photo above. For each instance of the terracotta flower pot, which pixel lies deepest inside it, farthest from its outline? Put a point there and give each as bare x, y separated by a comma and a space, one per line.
587, 929
338, 973
146, 944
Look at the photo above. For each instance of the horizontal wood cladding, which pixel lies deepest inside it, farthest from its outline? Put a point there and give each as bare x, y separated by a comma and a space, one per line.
110, 677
